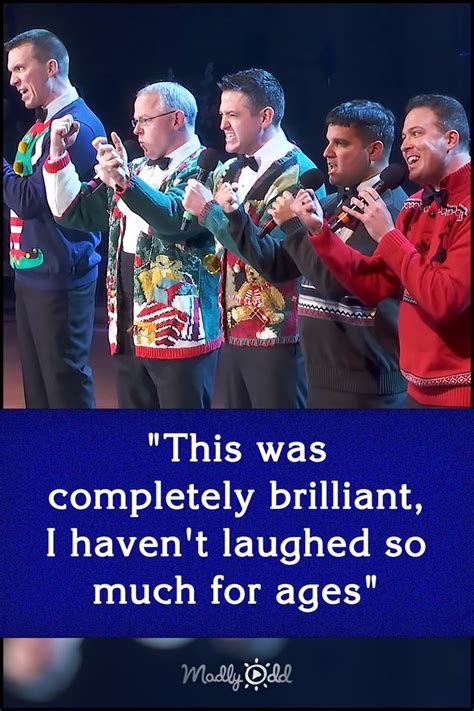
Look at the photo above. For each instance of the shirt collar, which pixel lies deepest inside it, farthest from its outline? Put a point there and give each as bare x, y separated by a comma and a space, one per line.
60, 102
369, 183
180, 154
272, 150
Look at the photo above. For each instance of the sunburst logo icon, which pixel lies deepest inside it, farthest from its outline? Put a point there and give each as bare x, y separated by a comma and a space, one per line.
256, 675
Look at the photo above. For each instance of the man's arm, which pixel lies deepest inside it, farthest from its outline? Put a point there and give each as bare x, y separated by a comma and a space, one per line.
71, 201
25, 195
441, 289
368, 278
237, 232
163, 211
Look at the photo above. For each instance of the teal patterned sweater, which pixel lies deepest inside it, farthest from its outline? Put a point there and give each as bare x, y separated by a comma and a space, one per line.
256, 312
176, 309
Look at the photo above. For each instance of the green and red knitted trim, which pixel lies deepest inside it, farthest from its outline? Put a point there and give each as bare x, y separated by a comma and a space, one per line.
22, 164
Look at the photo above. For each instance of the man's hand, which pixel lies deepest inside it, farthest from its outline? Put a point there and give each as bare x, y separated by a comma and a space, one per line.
374, 215
63, 134
281, 208
226, 197
306, 206
196, 195
112, 165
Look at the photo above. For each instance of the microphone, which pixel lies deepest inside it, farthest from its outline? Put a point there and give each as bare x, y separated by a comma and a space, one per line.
391, 177
207, 162
133, 151
311, 179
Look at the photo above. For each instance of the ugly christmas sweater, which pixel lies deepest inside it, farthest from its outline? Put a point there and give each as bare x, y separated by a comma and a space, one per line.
256, 313
176, 310
428, 254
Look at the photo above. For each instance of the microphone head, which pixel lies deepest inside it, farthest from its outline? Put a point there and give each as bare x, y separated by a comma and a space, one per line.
312, 179
208, 159
393, 175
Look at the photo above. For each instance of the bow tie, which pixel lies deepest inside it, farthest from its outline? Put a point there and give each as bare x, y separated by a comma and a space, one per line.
251, 161
429, 194
41, 114
162, 163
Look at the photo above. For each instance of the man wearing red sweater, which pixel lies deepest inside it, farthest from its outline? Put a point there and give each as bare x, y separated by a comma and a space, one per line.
425, 256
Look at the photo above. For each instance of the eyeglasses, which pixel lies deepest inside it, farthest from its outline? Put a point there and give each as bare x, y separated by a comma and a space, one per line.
146, 121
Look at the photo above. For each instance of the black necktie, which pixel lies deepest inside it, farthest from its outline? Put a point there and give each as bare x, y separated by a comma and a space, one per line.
251, 161
429, 194
41, 114
162, 163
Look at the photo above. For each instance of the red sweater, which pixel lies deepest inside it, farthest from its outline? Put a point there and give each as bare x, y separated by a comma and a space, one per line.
427, 256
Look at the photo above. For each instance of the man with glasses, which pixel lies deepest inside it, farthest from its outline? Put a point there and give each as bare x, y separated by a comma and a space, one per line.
163, 312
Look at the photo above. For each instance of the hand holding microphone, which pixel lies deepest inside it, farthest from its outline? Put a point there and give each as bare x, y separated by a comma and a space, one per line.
391, 177
371, 210
226, 197
196, 195
312, 179
306, 206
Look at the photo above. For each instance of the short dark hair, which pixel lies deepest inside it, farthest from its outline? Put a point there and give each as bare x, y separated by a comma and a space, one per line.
449, 112
46, 46
371, 121
261, 87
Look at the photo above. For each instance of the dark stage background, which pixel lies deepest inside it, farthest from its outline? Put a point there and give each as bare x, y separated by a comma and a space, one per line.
323, 54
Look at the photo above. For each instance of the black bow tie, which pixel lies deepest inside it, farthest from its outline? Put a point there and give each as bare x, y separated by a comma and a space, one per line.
162, 163
41, 114
251, 161
429, 194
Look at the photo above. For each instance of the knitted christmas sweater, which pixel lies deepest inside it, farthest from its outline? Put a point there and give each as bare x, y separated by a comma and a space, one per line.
428, 255
176, 310
347, 346
256, 313
43, 254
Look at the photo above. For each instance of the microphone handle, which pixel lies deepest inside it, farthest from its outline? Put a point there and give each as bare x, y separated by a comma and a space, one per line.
188, 217
90, 189
269, 225
346, 220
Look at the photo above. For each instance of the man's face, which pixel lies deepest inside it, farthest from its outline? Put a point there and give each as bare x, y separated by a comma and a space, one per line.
424, 146
242, 127
347, 156
29, 76
158, 137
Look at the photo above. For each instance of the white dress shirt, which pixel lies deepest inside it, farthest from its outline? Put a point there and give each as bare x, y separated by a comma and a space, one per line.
275, 148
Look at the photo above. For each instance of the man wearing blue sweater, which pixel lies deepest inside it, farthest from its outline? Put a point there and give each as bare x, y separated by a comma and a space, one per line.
55, 268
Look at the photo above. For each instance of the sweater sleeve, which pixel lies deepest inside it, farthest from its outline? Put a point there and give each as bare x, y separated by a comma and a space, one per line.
368, 278
442, 290
236, 232
162, 211
25, 194
72, 203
